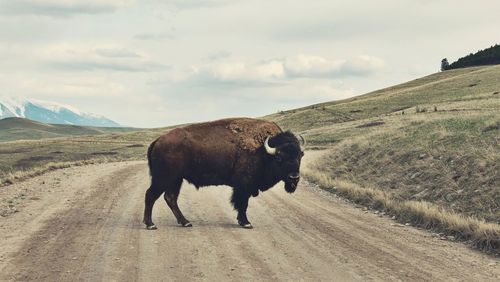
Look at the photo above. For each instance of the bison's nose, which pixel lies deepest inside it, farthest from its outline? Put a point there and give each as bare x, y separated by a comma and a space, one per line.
294, 176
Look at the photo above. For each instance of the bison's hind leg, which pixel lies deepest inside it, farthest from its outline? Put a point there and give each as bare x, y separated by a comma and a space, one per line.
152, 194
171, 195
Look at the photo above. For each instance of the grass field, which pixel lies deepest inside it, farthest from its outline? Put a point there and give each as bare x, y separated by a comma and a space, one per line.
24, 158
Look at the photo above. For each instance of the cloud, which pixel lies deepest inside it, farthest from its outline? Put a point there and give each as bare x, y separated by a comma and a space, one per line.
169, 35
215, 56
77, 87
316, 66
196, 4
279, 71
117, 53
92, 57
106, 66
61, 8
362, 65
237, 74
45, 85
311, 66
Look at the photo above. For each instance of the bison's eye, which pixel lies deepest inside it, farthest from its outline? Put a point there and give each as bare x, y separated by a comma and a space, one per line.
278, 159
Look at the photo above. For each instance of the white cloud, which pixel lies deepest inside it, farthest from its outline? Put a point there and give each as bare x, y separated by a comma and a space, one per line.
95, 57
117, 53
196, 4
310, 66
219, 55
286, 69
63, 86
237, 73
61, 8
166, 35
316, 66
362, 65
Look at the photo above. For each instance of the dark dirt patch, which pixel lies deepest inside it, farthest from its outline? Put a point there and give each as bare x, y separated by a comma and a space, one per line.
135, 146
16, 151
400, 109
57, 152
104, 153
461, 110
492, 127
28, 162
370, 124
37, 158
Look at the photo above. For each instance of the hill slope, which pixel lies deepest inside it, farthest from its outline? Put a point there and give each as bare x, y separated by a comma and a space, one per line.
478, 84
447, 153
24, 129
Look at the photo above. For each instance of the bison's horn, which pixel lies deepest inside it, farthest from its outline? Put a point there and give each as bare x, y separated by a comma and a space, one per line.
270, 150
303, 143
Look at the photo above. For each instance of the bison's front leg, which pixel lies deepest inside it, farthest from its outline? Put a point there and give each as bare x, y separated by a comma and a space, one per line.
240, 202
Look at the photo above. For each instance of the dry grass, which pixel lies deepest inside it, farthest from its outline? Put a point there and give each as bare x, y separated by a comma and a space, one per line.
22, 159
442, 158
20, 175
481, 234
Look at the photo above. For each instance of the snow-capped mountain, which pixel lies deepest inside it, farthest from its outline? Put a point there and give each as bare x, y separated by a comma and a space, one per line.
50, 112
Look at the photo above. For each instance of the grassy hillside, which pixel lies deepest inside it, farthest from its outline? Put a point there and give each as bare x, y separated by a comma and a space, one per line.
25, 129
448, 90
432, 140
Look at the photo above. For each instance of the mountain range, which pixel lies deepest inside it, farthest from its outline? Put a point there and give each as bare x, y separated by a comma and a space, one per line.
50, 112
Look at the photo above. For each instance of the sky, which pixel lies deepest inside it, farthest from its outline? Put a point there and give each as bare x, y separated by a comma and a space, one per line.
153, 63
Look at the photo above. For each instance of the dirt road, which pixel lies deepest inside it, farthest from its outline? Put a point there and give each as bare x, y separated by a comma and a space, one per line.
84, 224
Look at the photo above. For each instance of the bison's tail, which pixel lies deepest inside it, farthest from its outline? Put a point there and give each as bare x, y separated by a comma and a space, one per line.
150, 150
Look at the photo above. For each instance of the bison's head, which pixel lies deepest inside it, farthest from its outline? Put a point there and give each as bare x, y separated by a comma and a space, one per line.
286, 152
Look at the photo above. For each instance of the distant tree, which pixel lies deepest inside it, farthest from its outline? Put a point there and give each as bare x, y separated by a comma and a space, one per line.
444, 64
489, 56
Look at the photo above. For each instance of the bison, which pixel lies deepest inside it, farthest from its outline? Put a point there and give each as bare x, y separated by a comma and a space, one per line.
250, 155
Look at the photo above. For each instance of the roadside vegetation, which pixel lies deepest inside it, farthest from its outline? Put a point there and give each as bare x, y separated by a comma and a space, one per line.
26, 158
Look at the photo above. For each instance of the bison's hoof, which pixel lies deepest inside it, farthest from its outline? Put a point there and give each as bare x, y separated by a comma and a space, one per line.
151, 227
187, 224
246, 225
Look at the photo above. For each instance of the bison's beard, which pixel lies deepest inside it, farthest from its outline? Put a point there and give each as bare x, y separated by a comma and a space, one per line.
290, 186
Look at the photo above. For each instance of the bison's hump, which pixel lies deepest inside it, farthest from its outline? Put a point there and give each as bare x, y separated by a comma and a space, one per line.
251, 133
